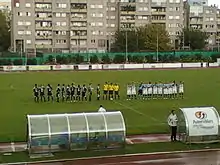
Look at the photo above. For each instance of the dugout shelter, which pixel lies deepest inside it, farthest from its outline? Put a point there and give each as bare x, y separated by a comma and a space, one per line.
199, 125
50, 133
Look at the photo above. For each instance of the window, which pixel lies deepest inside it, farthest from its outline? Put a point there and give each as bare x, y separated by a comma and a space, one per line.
17, 4
92, 41
27, 5
61, 5
211, 19
20, 23
60, 41
112, 25
28, 14
92, 23
112, 17
112, 1
170, 17
177, 17
171, 1
28, 32
20, 13
63, 15
92, 6
63, 24
177, 9
99, 23
27, 23
112, 9
177, 1
20, 32
28, 41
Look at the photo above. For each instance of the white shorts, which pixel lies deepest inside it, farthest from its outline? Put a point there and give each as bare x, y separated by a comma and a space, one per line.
150, 91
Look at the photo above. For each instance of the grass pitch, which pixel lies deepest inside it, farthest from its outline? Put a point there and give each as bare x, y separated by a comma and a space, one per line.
202, 88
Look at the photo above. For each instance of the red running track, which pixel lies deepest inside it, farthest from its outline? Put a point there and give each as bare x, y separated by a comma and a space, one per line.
194, 158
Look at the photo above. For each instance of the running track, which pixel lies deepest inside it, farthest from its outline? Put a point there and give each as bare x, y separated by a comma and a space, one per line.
193, 158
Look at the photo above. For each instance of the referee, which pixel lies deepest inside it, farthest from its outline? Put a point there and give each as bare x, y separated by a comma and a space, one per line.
172, 122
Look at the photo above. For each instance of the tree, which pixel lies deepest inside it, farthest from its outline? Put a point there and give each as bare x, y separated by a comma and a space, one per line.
193, 38
151, 37
4, 32
155, 37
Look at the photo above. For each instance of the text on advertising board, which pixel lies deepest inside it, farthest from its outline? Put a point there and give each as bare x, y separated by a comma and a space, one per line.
202, 121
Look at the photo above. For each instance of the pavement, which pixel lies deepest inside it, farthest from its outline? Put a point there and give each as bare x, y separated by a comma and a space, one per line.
136, 139
208, 157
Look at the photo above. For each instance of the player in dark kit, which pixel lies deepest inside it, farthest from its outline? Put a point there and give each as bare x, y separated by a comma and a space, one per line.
42, 93
68, 92
90, 92
49, 92
72, 89
84, 90
58, 90
78, 92
63, 90
98, 92
36, 93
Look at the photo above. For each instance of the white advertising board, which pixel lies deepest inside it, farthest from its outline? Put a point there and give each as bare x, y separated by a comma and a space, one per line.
192, 65
14, 68
62, 67
113, 66
83, 67
202, 121
97, 66
39, 67
133, 66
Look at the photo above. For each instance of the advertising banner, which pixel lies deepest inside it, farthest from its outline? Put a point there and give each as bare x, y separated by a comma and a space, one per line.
14, 68
202, 121
39, 67
83, 67
62, 67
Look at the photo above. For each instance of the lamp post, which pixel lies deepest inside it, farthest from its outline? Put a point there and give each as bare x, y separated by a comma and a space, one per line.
157, 58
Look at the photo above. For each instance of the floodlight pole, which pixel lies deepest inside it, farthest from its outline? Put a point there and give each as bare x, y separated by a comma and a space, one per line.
126, 46
157, 46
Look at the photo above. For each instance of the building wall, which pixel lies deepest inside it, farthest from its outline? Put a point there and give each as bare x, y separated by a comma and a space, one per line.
87, 25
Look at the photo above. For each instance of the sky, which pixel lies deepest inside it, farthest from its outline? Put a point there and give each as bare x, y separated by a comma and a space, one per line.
212, 2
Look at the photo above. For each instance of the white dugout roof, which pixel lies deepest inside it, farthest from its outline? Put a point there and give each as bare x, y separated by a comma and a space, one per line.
56, 124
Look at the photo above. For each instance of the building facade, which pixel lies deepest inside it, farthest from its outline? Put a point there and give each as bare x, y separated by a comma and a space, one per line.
86, 25
207, 19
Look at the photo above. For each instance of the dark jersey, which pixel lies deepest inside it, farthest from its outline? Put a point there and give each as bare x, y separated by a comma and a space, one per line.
90, 90
72, 89
58, 90
98, 91
42, 90
63, 90
68, 91
84, 90
36, 91
49, 90
78, 90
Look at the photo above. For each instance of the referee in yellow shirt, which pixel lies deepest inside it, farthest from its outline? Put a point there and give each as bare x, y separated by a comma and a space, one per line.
105, 91
111, 91
116, 91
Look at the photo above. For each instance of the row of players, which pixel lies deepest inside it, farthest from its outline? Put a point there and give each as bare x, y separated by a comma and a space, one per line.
157, 90
75, 93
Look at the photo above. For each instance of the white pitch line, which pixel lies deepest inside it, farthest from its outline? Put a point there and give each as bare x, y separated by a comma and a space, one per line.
138, 112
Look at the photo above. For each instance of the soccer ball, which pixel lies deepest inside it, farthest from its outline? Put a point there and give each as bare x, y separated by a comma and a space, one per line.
111, 98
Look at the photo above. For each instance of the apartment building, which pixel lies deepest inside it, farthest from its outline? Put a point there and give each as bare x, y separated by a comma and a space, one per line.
86, 25
205, 18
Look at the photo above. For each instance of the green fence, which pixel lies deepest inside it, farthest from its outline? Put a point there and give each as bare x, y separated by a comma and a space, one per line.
14, 58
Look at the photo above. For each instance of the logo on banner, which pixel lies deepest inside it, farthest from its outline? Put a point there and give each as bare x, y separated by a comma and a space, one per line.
201, 115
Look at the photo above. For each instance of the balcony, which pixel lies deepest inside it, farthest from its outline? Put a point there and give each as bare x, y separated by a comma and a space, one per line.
43, 9
127, 21
41, 37
43, 27
43, 46
43, 1
79, 19
75, 10
78, 27
127, 12
196, 22
78, 37
158, 13
158, 21
43, 18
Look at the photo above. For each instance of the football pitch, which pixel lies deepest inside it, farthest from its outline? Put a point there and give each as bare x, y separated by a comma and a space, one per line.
202, 88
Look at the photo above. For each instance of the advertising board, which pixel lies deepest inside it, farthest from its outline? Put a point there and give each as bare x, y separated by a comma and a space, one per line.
14, 68
202, 121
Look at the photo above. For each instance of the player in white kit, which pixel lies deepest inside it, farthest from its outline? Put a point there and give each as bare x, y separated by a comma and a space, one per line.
174, 90
181, 89
155, 91
150, 90
160, 90
165, 91
170, 90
